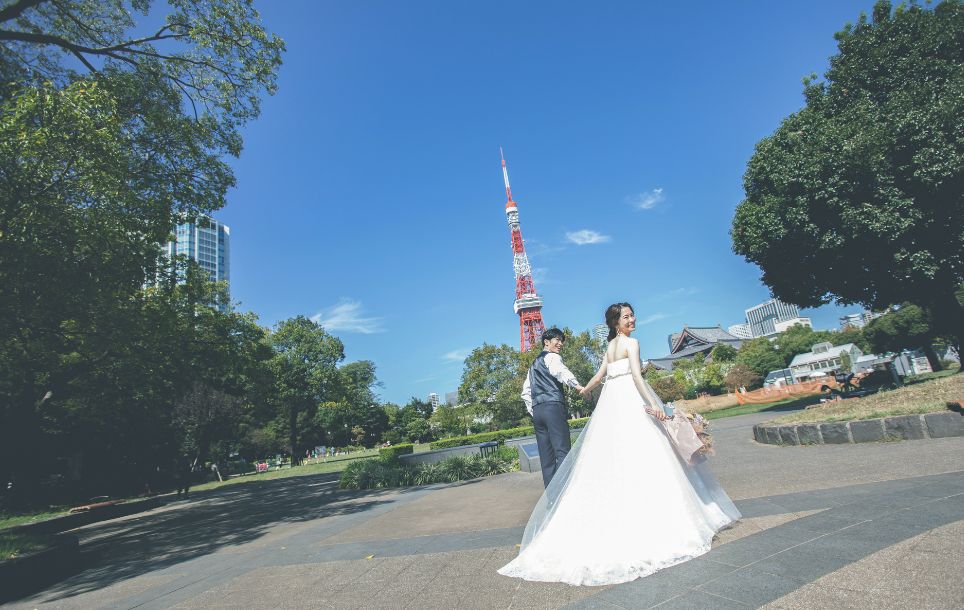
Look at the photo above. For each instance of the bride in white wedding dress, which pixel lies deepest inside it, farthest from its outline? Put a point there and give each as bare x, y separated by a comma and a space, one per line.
623, 504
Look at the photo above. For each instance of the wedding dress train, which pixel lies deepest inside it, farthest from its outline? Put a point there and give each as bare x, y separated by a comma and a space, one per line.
623, 504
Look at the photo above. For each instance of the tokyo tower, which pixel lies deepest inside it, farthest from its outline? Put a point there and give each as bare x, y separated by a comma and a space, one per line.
527, 303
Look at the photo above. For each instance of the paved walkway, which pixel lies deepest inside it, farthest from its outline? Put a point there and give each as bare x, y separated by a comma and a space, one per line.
872, 525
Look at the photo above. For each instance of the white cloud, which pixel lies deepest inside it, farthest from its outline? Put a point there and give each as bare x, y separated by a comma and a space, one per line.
650, 318
456, 355
680, 292
586, 236
347, 316
649, 199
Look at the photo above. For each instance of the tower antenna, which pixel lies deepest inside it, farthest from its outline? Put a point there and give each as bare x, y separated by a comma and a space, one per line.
527, 304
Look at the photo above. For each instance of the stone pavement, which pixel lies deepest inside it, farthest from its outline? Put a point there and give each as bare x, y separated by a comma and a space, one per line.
876, 525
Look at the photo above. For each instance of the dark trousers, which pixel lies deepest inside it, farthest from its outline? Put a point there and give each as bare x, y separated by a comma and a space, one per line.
552, 436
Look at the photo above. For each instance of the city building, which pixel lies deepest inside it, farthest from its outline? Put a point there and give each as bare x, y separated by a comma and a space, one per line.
452, 398
433, 400
601, 333
782, 325
859, 320
740, 331
208, 243
762, 318
823, 359
693, 340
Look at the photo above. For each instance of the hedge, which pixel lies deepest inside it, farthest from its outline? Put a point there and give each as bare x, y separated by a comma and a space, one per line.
498, 435
378, 474
392, 452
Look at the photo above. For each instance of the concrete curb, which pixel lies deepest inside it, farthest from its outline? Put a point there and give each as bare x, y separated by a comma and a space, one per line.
903, 427
75, 520
35, 570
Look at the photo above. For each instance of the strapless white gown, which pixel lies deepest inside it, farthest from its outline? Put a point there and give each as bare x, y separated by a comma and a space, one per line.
623, 504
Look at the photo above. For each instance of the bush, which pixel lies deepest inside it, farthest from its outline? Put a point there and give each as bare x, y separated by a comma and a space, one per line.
743, 376
667, 387
378, 474
392, 453
499, 435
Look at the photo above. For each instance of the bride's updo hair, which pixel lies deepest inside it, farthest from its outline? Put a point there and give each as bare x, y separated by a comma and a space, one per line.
612, 317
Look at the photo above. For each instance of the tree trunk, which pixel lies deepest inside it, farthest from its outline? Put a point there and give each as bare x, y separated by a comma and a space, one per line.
932, 358
948, 315
293, 435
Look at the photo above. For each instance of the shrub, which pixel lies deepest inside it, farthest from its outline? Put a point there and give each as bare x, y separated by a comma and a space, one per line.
392, 453
499, 435
743, 376
378, 474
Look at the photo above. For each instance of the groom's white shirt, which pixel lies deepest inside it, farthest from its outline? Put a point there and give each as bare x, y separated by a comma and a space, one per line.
558, 370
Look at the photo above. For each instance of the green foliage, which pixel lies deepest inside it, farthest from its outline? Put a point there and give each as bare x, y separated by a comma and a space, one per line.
492, 384
742, 376
760, 356
666, 386
908, 327
723, 352
378, 474
498, 435
856, 198
96, 166
392, 452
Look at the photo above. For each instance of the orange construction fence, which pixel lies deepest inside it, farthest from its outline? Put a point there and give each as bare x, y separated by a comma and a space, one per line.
775, 393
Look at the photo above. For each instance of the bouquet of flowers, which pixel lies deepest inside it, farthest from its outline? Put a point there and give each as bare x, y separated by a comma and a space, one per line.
689, 433
702, 428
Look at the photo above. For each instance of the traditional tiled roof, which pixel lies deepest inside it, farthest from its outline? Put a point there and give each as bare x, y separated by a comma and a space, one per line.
706, 339
709, 335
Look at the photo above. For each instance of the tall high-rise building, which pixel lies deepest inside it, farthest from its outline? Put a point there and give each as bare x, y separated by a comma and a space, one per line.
601, 332
208, 243
433, 400
741, 331
763, 317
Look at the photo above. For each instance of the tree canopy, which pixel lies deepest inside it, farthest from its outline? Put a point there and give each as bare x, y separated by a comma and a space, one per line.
856, 198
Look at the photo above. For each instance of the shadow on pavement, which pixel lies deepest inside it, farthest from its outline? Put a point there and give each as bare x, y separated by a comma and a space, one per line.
114, 551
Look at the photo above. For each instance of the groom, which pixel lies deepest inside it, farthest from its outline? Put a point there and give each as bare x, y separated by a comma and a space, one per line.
543, 395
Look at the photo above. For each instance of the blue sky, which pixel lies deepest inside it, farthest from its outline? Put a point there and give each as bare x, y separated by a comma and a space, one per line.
370, 191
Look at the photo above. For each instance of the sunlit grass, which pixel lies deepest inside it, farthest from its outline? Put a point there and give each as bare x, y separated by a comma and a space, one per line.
12, 520
15, 544
925, 397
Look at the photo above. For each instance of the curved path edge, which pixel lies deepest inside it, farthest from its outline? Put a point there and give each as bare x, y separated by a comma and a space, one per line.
902, 427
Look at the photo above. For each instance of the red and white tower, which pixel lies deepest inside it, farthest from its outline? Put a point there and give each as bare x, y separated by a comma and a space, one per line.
527, 303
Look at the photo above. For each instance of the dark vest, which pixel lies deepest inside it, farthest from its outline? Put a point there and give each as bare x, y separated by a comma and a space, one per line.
544, 387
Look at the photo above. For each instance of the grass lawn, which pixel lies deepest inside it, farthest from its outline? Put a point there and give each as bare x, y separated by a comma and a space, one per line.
8, 520
787, 403
925, 396
332, 465
13, 545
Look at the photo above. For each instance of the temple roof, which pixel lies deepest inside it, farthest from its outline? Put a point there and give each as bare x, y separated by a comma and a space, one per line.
708, 335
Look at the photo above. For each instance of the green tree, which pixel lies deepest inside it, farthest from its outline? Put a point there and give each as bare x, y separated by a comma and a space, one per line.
492, 384
760, 356
857, 197
305, 371
723, 352
799, 339
96, 165
742, 376
908, 327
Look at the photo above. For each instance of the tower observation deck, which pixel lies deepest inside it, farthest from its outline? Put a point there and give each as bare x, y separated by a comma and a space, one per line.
528, 303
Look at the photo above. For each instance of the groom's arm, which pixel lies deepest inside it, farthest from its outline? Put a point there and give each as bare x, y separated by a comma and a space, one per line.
558, 370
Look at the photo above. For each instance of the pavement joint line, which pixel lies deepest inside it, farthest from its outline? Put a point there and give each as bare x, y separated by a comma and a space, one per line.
729, 599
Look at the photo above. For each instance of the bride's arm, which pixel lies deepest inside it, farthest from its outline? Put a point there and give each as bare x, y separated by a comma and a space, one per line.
595, 378
645, 391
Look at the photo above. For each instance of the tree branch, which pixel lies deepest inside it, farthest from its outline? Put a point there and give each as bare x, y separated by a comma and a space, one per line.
14, 10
